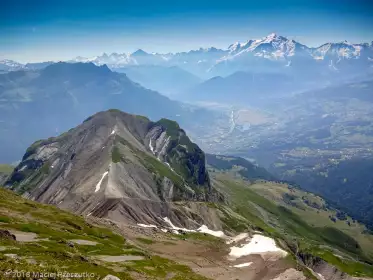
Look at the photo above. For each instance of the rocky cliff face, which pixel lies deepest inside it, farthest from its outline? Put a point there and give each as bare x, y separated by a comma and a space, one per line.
120, 166
169, 143
323, 270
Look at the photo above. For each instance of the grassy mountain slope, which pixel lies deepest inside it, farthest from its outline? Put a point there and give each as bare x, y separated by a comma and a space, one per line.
53, 245
303, 220
238, 165
349, 249
5, 171
346, 183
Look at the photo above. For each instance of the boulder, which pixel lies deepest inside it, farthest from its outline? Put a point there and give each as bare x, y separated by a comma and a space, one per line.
6, 234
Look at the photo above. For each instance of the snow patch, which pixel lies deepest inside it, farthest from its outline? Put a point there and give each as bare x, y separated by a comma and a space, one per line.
206, 230
147, 226
164, 230
202, 229
99, 183
243, 264
89, 214
113, 132
150, 146
174, 228
259, 244
169, 166
23, 168
321, 276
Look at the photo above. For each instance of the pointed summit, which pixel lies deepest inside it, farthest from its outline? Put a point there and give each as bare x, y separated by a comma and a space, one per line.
272, 35
139, 52
275, 37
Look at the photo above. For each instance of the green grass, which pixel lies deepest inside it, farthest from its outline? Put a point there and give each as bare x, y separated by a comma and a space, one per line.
143, 118
115, 155
172, 127
339, 239
115, 111
231, 223
160, 268
160, 168
55, 254
353, 268
156, 167
198, 236
286, 219
315, 211
45, 168
6, 168
145, 240
5, 219
280, 222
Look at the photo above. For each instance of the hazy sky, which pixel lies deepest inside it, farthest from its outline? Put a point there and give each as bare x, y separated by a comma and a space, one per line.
58, 30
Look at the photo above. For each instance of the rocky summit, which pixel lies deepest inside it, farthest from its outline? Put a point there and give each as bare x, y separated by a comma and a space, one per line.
119, 166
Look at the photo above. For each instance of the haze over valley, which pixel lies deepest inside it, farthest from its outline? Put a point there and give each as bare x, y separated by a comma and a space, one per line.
129, 151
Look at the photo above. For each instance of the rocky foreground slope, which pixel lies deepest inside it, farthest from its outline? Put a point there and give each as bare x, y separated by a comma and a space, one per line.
41, 241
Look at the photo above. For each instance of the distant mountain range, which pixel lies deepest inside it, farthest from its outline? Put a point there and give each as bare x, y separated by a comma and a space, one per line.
40, 103
11, 65
196, 61
270, 53
169, 80
241, 88
272, 47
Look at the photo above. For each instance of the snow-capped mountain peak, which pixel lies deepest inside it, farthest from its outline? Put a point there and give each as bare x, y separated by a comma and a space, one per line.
10, 63
272, 35
340, 50
234, 46
272, 46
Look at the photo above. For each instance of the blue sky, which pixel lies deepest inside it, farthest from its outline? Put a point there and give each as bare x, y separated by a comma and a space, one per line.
57, 30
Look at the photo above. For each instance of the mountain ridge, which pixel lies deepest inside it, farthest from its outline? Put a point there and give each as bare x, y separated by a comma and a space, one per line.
272, 47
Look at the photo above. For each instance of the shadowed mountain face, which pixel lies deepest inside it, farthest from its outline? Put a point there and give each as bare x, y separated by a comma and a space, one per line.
116, 165
241, 166
42, 103
167, 80
242, 88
